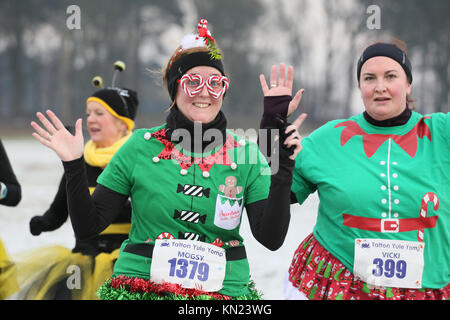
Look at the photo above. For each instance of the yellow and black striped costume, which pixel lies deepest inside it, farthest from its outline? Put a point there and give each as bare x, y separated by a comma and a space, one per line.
56, 272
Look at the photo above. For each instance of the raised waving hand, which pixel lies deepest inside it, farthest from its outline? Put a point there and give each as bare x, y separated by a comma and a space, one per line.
55, 136
281, 85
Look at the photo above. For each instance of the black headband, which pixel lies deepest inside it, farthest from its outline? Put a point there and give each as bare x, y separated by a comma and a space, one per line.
186, 62
385, 50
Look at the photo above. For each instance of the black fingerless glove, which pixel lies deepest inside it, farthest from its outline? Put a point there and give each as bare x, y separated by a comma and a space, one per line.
282, 124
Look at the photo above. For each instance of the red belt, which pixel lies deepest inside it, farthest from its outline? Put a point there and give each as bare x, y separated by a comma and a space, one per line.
389, 225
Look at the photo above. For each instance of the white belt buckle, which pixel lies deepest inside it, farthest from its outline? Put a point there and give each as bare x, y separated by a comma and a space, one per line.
390, 225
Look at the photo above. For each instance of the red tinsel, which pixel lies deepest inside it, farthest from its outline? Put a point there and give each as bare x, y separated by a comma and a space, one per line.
139, 285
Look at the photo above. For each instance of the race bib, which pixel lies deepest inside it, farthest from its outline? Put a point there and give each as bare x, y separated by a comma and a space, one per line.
389, 263
191, 264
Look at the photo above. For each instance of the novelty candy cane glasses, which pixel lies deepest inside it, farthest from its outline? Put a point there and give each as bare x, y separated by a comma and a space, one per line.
193, 84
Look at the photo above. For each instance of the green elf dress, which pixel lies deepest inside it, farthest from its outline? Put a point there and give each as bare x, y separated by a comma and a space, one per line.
187, 211
383, 226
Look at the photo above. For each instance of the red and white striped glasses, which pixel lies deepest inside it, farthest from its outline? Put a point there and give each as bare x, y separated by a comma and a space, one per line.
193, 84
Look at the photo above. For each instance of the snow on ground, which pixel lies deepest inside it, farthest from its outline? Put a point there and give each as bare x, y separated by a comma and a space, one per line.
39, 171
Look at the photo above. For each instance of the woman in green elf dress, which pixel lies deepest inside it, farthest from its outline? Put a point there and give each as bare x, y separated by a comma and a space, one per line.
383, 179
189, 181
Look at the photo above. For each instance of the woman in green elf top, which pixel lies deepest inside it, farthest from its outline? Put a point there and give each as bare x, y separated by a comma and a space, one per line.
110, 113
383, 179
189, 181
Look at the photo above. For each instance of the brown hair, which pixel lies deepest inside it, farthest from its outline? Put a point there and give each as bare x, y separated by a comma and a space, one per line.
175, 56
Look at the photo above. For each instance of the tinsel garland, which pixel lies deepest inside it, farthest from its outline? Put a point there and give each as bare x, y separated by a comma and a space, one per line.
132, 288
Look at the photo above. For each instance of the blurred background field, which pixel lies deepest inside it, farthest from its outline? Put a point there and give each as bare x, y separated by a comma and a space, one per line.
48, 56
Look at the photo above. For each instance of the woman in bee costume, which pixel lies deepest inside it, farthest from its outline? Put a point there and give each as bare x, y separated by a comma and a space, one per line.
189, 181
110, 121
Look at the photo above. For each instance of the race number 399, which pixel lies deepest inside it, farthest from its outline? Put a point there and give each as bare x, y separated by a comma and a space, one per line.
389, 263
389, 268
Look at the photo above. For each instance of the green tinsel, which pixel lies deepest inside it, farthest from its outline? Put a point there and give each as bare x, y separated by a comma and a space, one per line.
107, 292
214, 51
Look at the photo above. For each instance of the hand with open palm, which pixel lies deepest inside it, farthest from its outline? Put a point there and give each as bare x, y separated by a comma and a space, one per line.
281, 85
56, 137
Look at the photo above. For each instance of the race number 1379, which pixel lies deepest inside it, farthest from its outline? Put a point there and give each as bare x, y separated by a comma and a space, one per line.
191, 264
192, 269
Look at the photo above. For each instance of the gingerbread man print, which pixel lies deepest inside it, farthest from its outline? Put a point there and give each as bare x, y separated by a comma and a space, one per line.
230, 189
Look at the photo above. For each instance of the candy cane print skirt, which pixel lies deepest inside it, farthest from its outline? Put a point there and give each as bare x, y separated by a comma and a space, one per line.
318, 275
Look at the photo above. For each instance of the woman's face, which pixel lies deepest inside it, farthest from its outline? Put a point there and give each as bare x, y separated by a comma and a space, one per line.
384, 87
103, 127
202, 107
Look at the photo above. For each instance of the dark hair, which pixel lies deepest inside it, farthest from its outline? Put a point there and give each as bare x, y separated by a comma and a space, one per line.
393, 48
